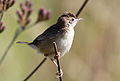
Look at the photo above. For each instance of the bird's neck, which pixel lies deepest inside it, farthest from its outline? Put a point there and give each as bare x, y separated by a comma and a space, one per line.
62, 24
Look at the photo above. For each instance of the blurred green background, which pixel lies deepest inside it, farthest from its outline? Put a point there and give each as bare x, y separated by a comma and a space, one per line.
94, 56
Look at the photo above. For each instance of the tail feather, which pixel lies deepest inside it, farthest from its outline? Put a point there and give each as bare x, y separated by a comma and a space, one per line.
23, 42
30, 44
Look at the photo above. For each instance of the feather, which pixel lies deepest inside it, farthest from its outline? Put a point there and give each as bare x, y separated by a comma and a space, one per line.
23, 42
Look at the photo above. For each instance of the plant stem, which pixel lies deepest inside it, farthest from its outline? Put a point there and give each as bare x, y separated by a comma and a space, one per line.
35, 69
81, 8
58, 63
17, 33
1, 15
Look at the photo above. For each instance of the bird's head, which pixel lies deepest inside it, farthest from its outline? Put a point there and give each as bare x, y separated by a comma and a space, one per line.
68, 20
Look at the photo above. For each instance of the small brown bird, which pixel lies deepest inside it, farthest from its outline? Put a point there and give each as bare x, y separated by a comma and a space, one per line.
62, 33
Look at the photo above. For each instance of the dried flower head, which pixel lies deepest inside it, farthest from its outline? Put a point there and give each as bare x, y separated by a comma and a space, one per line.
24, 13
1, 27
6, 4
43, 14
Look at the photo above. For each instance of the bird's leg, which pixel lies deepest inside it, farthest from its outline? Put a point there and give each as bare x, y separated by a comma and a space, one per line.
54, 61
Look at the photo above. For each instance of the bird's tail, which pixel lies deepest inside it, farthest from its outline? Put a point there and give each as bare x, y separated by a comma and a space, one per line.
23, 42
30, 44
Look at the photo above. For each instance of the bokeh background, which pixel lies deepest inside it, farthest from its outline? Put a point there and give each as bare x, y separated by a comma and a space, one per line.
94, 56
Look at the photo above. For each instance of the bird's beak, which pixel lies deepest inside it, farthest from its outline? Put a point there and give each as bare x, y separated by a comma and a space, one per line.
79, 19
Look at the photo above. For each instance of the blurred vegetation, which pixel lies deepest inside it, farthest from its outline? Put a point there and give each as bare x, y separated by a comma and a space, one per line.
94, 56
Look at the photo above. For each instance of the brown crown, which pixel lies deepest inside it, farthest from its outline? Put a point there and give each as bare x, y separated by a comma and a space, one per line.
63, 17
68, 14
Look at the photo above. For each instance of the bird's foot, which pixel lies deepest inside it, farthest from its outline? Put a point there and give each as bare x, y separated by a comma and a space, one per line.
59, 74
57, 56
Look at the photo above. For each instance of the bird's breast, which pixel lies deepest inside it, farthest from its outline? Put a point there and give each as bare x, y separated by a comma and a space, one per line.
65, 42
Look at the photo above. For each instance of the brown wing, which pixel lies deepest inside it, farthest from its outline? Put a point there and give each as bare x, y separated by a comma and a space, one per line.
51, 33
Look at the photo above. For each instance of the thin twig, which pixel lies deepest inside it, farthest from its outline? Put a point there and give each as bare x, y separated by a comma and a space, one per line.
10, 45
58, 63
1, 15
16, 35
35, 69
81, 8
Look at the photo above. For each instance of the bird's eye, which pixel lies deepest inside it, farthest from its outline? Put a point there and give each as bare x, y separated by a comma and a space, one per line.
72, 19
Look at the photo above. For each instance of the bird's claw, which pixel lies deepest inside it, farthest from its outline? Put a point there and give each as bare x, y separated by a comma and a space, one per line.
57, 56
59, 74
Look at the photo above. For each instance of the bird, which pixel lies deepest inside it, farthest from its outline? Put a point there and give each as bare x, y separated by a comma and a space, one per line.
62, 33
